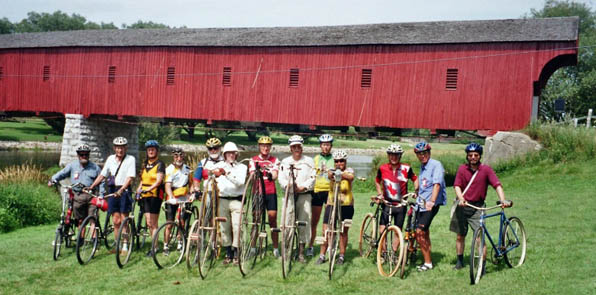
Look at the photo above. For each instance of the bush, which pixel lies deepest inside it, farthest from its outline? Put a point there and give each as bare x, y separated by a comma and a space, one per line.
26, 204
163, 133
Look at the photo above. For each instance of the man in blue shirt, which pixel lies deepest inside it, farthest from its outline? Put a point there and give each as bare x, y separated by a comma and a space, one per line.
431, 195
82, 171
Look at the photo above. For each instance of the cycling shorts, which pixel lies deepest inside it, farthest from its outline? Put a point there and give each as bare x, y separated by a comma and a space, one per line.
152, 204
399, 214
319, 198
271, 202
122, 204
425, 218
347, 212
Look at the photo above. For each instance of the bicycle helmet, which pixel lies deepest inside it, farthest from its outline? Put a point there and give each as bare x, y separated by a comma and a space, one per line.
395, 149
120, 141
213, 142
265, 140
340, 155
83, 148
295, 139
326, 138
421, 147
474, 147
151, 143
229, 147
177, 151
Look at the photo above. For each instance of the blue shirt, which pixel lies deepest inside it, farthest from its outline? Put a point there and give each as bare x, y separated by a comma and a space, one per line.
79, 174
430, 174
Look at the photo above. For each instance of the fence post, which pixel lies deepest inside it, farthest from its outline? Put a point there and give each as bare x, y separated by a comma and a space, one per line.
575, 122
589, 122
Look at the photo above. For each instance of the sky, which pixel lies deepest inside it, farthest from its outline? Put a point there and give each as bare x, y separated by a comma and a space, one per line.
273, 13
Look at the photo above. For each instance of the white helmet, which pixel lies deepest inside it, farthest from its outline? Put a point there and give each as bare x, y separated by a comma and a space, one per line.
295, 139
120, 141
395, 149
340, 155
229, 147
326, 138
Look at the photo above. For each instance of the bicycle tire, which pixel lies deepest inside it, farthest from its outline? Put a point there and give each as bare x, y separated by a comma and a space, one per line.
207, 248
175, 244
89, 234
141, 227
366, 241
388, 261
108, 232
334, 236
68, 233
249, 226
192, 242
515, 236
287, 236
477, 256
57, 243
409, 244
126, 237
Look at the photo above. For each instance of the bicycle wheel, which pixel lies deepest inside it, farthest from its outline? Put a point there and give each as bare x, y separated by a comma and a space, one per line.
390, 251
477, 256
125, 241
249, 226
58, 242
333, 242
141, 229
168, 250
192, 243
108, 232
366, 241
409, 248
288, 235
515, 242
207, 248
87, 241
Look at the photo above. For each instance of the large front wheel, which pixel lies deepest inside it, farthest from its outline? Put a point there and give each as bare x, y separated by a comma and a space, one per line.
87, 241
366, 241
390, 251
515, 242
192, 244
168, 245
125, 241
334, 235
477, 256
250, 219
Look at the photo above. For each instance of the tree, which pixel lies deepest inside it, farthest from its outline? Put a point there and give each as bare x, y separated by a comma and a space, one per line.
576, 85
57, 21
6, 27
145, 25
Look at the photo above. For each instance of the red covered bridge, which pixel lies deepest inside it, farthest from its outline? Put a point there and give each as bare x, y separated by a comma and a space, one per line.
462, 75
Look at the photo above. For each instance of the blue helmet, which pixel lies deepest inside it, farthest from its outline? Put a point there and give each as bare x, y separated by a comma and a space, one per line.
151, 143
474, 147
421, 147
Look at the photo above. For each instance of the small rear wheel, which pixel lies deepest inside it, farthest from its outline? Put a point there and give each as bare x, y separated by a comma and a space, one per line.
515, 242
125, 242
87, 241
168, 245
366, 241
390, 251
477, 259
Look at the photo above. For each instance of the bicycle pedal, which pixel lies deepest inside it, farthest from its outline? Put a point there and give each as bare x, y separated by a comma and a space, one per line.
276, 230
301, 223
319, 240
221, 219
262, 235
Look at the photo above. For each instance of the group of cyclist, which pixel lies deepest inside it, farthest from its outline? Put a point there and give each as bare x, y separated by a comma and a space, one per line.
314, 185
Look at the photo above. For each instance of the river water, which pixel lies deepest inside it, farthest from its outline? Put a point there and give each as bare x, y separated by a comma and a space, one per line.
360, 163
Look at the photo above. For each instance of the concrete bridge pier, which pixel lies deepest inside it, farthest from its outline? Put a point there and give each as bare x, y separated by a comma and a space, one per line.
98, 134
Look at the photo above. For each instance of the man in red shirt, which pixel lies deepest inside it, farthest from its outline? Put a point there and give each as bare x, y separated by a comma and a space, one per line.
474, 193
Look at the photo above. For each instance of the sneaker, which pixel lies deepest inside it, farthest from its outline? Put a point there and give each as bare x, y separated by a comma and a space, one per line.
125, 248
458, 266
235, 261
340, 260
180, 246
166, 251
149, 254
321, 260
424, 267
301, 258
227, 261
309, 252
276, 253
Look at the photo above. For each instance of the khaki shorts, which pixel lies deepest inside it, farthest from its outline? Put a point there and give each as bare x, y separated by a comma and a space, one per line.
463, 217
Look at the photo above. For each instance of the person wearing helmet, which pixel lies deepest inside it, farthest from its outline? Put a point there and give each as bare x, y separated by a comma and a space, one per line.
84, 172
431, 195
303, 184
391, 184
151, 187
120, 171
474, 178
347, 203
231, 176
270, 167
177, 182
207, 164
323, 162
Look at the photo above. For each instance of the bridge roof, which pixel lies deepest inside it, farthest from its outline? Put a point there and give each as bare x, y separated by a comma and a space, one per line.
441, 32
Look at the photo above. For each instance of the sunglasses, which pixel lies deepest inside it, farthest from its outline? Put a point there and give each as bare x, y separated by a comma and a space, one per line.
212, 148
340, 161
84, 155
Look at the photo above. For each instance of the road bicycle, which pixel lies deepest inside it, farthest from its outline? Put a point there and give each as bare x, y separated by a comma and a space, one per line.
131, 236
511, 245
411, 245
253, 235
91, 231
389, 243
66, 230
169, 241
335, 227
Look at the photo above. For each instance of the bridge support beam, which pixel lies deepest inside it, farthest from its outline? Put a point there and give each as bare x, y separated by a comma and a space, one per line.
96, 133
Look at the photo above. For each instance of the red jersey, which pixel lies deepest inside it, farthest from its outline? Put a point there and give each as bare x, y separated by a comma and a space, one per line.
271, 164
395, 183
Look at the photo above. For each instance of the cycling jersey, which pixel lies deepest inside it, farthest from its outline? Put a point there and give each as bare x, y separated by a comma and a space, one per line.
322, 163
345, 191
179, 178
395, 183
273, 166
205, 165
149, 177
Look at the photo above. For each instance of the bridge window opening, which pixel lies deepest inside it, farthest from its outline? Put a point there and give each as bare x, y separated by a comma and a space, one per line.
227, 76
46, 73
294, 77
171, 75
366, 78
451, 82
1, 73
112, 74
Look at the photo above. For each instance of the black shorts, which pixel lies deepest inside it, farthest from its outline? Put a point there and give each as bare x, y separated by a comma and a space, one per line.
171, 211
347, 212
271, 202
399, 214
151, 205
318, 199
122, 204
426, 218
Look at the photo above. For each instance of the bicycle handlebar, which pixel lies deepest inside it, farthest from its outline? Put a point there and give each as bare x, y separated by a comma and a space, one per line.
507, 204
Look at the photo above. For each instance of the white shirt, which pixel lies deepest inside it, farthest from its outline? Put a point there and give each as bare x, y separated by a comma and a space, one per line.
126, 170
305, 177
178, 177
231, 183
209, 164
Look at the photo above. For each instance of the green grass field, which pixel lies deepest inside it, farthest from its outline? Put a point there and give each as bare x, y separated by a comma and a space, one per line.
555, 202
29, 129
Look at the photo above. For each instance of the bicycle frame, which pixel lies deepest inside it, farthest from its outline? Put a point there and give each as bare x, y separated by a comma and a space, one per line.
503, 222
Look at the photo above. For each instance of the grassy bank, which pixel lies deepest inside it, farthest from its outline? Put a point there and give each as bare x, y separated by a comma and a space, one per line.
30, 129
